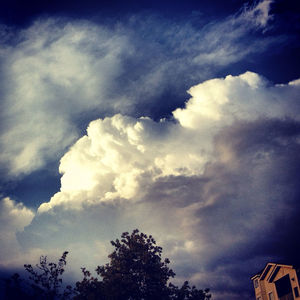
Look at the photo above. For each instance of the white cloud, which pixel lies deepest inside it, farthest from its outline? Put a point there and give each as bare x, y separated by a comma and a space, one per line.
121, 155
219, 102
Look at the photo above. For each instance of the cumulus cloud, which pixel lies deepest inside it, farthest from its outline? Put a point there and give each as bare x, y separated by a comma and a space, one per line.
212, 185
58, 75
119, 154
244, 97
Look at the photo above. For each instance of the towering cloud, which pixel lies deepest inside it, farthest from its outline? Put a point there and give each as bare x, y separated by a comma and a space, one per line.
120, 155
212, 184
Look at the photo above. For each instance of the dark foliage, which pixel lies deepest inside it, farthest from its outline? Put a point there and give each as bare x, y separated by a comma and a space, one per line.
45, 282
136, 271
16, 289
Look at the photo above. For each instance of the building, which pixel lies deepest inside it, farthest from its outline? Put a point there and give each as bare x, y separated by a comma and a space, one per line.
276, 282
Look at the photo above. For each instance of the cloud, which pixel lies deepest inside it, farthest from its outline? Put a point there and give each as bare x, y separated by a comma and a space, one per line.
13, 218
259, 14
223, 43
55, 73
212, 185
244, 97
119, 154
58, 75
215, 182
14, 253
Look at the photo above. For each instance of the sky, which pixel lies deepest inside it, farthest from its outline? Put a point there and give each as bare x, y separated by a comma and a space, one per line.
179, 118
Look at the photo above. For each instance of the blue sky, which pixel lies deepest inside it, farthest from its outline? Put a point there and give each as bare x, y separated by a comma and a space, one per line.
177, 118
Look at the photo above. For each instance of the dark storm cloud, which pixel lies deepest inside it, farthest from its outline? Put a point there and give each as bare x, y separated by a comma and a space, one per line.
267, 154
253, 200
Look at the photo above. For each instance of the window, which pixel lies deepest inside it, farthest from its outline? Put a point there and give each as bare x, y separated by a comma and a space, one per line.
296, 292
284, 287
271, 296
256, 283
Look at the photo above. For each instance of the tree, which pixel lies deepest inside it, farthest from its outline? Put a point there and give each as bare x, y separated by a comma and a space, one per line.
136, 271
45, 281
189, 293
15, 288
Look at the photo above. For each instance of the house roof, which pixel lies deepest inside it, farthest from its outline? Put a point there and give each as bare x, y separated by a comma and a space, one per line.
269, 270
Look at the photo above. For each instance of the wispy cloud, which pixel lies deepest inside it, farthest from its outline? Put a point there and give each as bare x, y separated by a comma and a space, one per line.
259, 14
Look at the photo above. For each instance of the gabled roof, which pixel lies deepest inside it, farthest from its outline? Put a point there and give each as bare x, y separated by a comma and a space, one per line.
270, 269
255, 276
263, 273
266, 271
274, 273
276, 270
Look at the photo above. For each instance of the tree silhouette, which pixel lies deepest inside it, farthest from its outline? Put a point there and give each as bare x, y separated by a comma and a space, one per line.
136, 271
15, 288
45, 281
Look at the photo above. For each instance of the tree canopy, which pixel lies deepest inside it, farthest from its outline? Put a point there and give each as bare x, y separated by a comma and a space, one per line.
136, 271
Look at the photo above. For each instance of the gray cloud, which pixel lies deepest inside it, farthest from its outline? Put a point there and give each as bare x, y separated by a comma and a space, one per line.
13, 218
56, 72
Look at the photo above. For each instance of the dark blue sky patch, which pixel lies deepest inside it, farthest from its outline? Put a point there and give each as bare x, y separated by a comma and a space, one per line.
34, 188
19, 13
